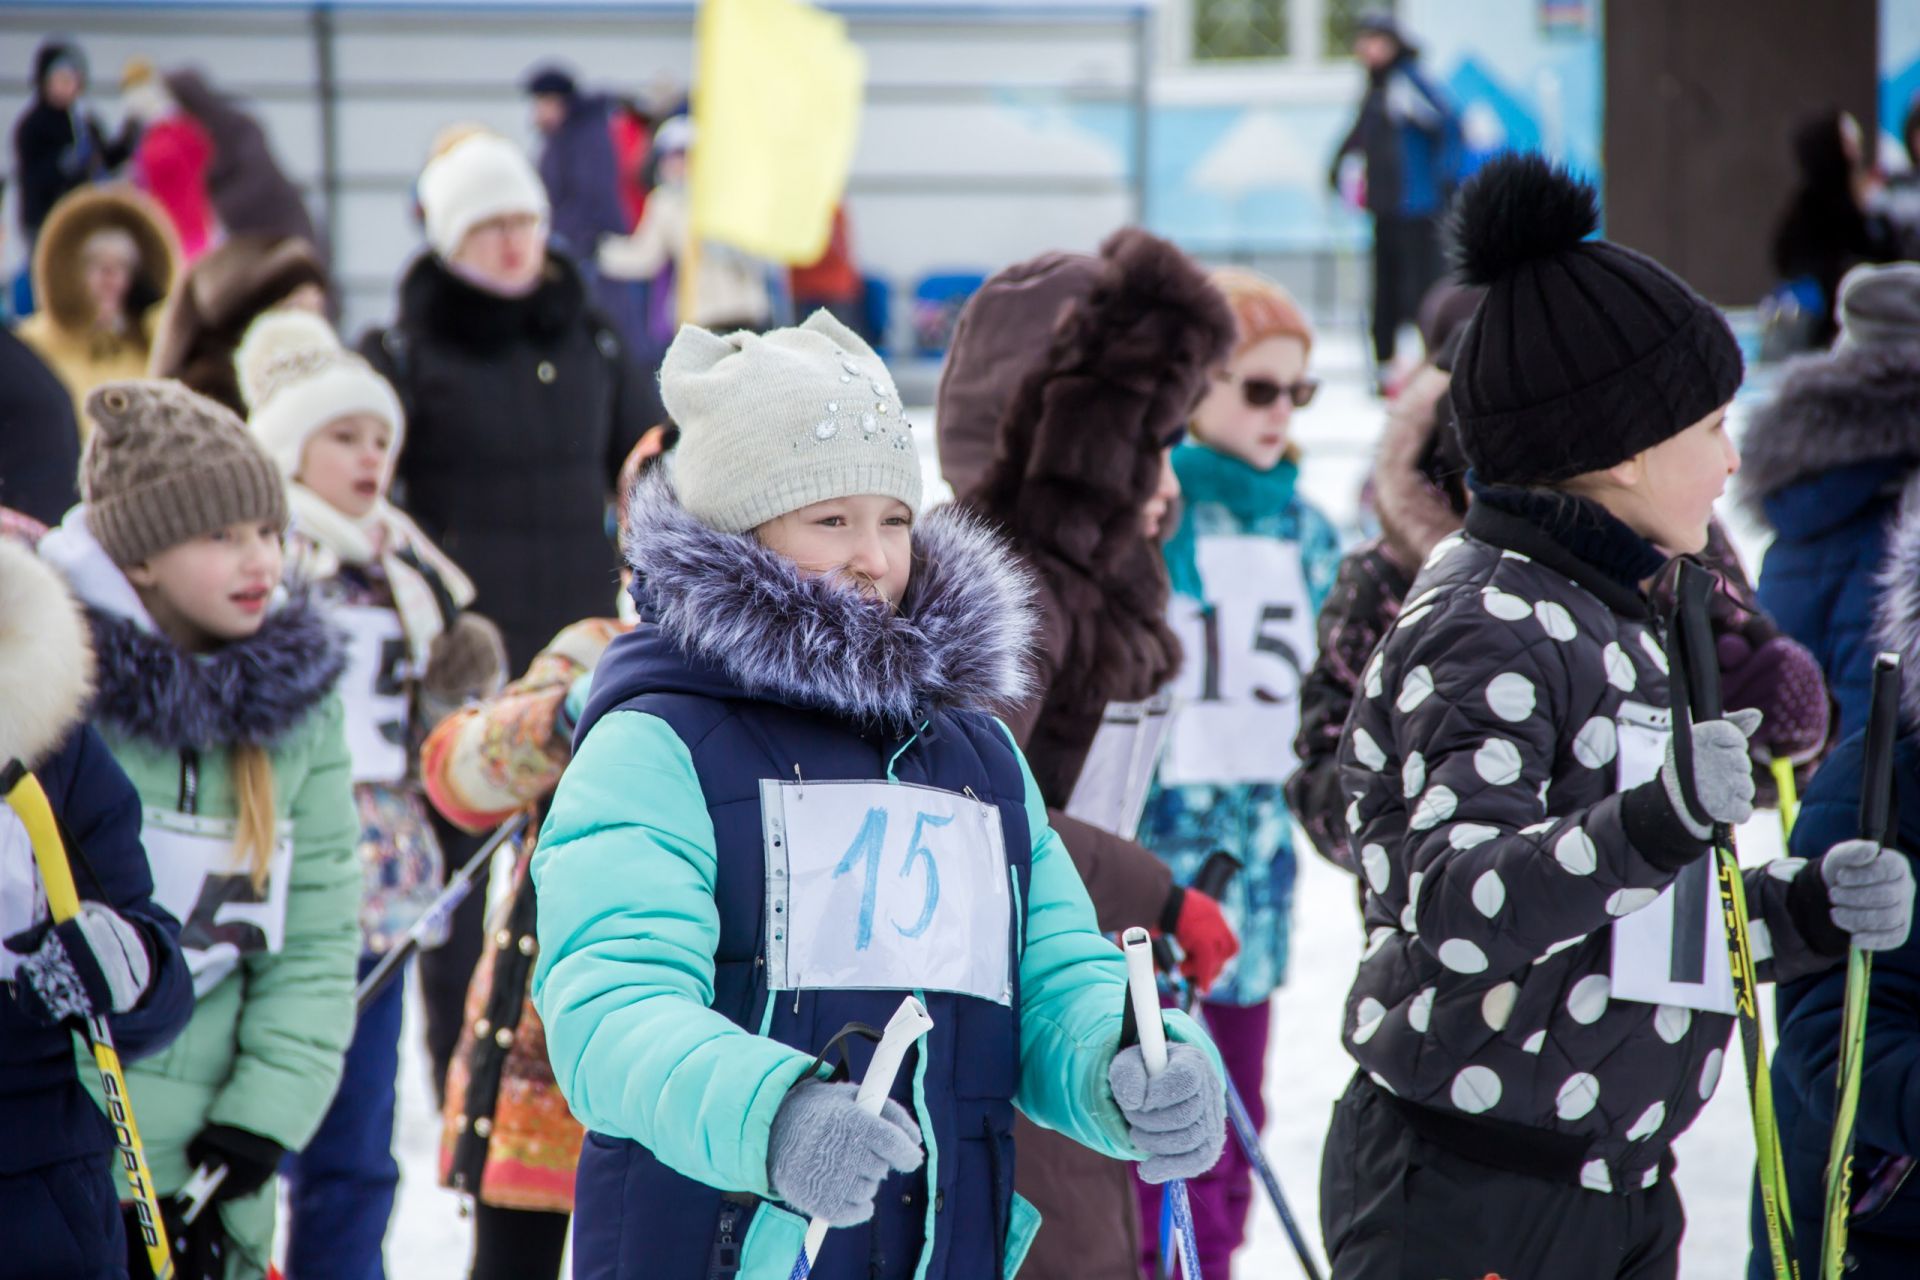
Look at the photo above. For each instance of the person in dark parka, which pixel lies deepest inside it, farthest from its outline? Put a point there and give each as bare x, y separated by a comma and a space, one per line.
1826, 462
1832, 221
577, 162
1408, 133
1809, 1012
57, 145
39, 439
1513, 785
120, 956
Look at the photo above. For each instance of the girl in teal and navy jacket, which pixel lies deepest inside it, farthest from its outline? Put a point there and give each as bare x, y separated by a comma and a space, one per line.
789, 806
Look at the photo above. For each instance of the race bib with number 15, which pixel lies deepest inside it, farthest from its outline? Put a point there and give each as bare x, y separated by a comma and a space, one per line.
885, 886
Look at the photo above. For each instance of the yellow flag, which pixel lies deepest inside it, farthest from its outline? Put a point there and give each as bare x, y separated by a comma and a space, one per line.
776, 111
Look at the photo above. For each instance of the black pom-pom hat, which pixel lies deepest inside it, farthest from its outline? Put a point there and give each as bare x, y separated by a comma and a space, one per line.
1582, 353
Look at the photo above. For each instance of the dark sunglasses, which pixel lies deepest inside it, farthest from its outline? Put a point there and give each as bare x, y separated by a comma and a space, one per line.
1262, 392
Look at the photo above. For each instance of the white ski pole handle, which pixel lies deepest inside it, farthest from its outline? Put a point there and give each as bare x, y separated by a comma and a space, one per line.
199, 1190
1145, 993
909, 1023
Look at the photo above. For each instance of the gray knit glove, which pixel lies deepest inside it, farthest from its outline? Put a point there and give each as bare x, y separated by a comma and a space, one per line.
827, 1158
1722, 773
1871, 891
1179, 1117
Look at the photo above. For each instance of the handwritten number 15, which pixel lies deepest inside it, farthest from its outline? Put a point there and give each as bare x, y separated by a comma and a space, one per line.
868, 844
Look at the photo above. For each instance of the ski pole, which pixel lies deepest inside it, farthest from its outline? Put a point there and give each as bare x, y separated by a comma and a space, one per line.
1214, 875
29, 801
1876, 824
1144, 994
198, 1193
456, 891
1696, 696
909, 1023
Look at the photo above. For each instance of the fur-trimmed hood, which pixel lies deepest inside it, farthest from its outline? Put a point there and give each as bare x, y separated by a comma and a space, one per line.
1414, 514
251, 692
46, 662
1836, 409
1896, 623
1077, 446
724, 616
59, 274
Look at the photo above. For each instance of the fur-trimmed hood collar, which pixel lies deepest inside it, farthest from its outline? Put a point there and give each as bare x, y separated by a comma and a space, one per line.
1832, 410
1897, 614
725, 617
252, 692
1414, 514
46, 664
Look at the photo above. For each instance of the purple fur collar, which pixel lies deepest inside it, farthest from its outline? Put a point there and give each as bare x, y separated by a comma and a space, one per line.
960, 640
251, 692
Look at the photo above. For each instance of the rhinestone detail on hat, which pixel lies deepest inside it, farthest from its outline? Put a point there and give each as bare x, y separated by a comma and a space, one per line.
872, 422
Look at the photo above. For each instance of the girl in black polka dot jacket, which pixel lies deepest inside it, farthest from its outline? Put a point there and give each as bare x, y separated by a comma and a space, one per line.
1512, 784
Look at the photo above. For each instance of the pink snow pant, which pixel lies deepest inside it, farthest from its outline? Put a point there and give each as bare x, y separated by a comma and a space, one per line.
1221, 1195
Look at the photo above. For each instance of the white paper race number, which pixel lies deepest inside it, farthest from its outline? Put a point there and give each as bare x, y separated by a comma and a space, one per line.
885, 886
1657, 957
1248, 650
374, 688
202, 881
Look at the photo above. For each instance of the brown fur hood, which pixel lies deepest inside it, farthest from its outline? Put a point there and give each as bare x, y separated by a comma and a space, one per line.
59, 281
1077, 452
218, 299
1414, 513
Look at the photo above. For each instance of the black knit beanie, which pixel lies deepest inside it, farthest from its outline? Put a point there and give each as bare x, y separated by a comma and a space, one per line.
1583, 353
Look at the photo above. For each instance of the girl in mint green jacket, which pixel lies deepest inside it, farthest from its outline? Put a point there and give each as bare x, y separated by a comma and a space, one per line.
216, 699
789, 806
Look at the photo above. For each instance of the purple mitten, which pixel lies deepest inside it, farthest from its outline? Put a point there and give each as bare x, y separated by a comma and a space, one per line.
1783, 680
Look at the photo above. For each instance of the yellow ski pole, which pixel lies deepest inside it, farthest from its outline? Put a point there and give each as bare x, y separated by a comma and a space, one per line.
1789, 789
26, 798
1876, 824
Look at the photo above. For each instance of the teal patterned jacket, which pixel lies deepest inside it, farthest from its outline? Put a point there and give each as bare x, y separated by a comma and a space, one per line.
1184, 824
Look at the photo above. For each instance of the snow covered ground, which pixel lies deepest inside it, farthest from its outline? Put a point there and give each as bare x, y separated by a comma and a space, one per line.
430, 1240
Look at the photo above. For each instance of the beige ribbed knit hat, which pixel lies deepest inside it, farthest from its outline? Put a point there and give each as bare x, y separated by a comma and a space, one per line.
770, 423
166, 465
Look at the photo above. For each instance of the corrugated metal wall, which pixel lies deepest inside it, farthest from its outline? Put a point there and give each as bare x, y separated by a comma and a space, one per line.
966, 158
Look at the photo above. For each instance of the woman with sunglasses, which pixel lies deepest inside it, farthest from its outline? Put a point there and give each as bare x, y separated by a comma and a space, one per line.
1250, 563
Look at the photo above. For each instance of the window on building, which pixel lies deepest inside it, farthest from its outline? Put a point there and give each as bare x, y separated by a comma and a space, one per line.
1236, 29
1303, 30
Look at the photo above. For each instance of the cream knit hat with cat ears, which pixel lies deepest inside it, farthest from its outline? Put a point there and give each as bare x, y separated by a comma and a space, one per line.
774, 422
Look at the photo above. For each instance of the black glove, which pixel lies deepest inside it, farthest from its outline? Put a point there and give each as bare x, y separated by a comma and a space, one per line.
251, 1160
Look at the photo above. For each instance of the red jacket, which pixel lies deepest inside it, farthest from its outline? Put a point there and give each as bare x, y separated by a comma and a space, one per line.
171, 166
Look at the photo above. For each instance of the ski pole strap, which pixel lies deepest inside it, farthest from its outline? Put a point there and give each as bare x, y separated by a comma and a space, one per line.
1788, 788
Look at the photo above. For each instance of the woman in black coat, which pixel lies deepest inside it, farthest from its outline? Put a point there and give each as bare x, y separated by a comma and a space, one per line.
520, 401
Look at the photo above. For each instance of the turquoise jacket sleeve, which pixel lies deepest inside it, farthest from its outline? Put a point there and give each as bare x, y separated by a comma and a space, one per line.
1073, 991
625, 874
